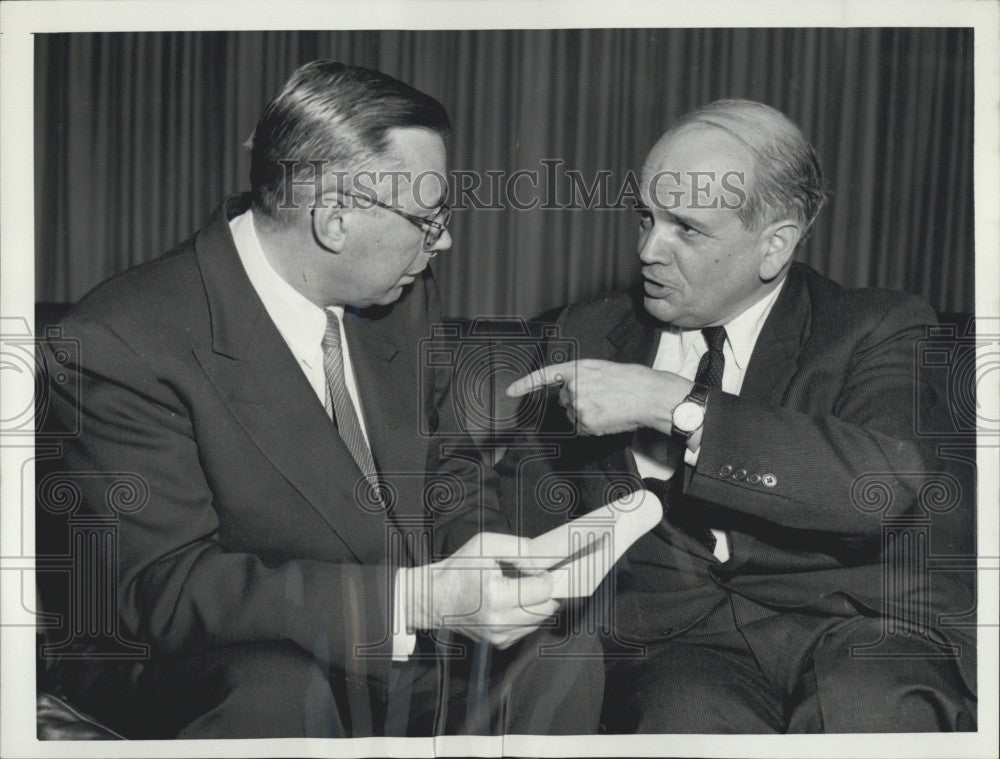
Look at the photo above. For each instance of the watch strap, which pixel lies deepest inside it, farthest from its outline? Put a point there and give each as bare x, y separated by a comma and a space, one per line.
698, 394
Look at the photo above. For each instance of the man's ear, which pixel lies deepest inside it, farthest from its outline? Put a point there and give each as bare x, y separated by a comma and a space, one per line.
330, 223
779, 239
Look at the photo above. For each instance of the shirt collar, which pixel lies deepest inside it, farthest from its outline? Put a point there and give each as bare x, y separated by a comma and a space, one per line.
741, 332
300, 321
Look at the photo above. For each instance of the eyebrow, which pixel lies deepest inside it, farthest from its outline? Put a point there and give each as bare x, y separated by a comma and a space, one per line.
687, 220
432, 208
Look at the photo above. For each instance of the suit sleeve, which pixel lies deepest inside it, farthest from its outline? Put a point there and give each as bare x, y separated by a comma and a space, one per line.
179, 591
841, 471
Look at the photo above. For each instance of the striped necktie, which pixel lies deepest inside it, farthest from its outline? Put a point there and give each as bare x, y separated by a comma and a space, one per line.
339, 404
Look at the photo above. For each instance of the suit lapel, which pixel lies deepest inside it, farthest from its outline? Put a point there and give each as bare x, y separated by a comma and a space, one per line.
270, 397
633, 340
775, 356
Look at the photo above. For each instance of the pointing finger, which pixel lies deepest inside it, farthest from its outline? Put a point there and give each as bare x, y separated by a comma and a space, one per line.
547, 375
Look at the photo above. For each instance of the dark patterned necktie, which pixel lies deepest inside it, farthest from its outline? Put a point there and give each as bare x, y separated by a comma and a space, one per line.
340, 406
710, 369
713, 361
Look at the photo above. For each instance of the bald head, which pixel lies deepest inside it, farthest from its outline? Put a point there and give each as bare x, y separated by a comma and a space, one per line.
726, 196
785, 180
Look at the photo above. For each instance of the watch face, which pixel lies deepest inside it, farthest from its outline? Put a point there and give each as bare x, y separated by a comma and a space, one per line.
688, 416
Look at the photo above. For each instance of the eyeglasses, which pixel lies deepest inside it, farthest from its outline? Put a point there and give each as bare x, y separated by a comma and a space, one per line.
432, 227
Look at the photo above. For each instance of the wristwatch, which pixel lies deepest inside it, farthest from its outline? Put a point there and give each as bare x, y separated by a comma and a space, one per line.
689, 414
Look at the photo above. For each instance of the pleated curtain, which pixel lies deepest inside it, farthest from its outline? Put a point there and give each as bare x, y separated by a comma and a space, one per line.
139, 136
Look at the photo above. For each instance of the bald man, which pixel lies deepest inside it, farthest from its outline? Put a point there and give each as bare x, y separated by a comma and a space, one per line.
754, 396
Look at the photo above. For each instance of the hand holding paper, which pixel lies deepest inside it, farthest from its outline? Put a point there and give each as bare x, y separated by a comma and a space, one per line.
470, 593
500, 588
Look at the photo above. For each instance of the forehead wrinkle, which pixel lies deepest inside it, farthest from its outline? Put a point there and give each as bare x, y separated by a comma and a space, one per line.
666, 188
669, 185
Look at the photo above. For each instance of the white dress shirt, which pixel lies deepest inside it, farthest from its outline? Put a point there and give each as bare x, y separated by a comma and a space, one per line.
302, 325
679, 352
301, 322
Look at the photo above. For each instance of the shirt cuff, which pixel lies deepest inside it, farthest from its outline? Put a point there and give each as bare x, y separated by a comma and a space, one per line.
403, 641
691, 457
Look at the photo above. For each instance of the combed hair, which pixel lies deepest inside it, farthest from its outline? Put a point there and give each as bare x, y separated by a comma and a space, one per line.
336, 114
787, 179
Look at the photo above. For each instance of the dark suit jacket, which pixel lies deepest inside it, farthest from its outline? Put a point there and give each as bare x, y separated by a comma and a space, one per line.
804, 468
252, 530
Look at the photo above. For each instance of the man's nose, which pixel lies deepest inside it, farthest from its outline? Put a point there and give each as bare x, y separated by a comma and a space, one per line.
443, 243
654, 248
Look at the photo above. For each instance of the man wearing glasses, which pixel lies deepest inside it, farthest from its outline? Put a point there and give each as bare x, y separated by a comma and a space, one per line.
290, 572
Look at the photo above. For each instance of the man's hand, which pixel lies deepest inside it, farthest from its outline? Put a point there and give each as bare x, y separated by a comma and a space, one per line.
604, 397
486, 590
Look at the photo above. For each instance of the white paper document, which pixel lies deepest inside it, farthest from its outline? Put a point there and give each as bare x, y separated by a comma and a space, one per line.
581, 552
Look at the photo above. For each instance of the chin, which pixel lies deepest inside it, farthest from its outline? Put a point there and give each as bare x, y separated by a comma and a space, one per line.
387, 299
664, 312
660, 309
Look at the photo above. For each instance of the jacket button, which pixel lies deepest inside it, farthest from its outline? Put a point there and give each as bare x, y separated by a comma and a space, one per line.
725, 470
769, 480
754, 479
740, 474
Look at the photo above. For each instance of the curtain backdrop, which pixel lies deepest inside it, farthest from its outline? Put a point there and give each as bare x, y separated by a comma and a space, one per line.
139, 137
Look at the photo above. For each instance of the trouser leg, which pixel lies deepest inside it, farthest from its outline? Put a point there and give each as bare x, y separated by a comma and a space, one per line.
918, 689
703, 684
550, 683
553, 684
